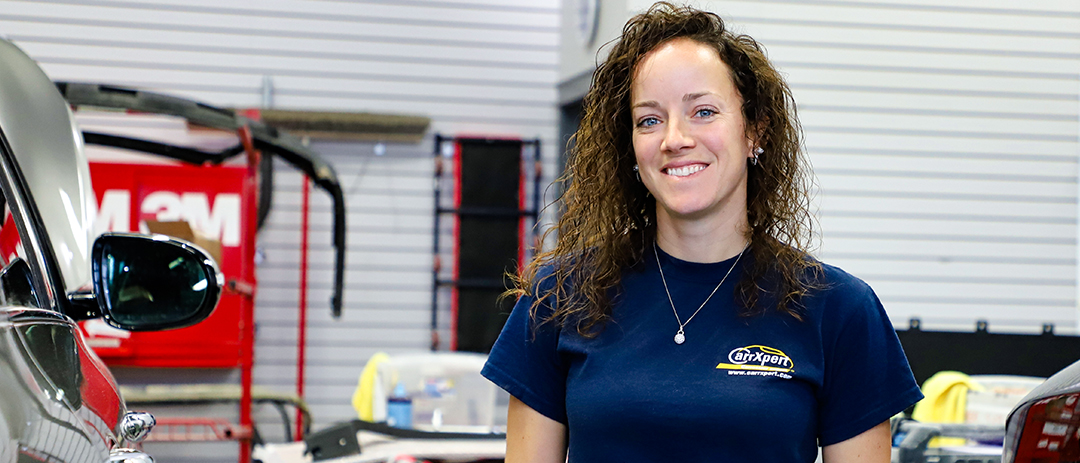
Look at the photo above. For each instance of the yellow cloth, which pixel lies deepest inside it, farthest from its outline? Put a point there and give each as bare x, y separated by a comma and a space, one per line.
362, 399
945, 402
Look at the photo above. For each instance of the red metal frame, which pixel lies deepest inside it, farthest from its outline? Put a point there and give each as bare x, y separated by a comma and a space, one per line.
301, 344
457, 235
247, 344
197, 429
521, 207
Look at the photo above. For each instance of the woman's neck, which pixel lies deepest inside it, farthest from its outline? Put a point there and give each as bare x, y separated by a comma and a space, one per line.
702, 241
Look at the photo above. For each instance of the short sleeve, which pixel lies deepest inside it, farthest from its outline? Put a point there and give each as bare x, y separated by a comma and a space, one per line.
525, 362
867, 377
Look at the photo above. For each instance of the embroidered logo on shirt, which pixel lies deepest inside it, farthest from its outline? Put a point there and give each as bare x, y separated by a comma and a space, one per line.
758, 360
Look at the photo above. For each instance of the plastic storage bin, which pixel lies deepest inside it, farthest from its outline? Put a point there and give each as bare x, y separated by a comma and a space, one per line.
1001, 393
447, 391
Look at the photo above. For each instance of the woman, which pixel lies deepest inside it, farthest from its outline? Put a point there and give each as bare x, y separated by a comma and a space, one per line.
679, 317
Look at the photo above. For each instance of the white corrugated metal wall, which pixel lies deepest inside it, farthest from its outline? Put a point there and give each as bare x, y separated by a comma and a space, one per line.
480, 67
945, 136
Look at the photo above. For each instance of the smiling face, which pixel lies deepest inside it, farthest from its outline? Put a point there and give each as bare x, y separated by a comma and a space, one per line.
689, 134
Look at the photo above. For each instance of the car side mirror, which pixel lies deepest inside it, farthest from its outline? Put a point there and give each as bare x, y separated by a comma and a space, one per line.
145, 283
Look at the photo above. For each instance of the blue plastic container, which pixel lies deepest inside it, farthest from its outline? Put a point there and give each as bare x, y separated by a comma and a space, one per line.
399, 408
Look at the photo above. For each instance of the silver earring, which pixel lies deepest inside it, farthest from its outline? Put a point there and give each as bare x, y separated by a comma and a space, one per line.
636, 174
754, 160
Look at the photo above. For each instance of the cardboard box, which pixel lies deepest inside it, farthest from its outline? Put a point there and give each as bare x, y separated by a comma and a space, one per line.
182, 229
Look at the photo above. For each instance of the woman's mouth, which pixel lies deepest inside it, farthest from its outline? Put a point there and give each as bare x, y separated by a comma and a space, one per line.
684, 171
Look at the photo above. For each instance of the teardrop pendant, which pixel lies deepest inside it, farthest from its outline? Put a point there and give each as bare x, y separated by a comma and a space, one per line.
680, 337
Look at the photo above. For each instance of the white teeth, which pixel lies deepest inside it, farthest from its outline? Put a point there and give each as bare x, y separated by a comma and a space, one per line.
685, 171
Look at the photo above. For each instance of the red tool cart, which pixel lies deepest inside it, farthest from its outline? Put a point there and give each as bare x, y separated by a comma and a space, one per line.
216, 200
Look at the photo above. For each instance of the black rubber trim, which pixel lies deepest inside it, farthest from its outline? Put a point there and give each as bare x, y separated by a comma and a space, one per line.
266, 139
189, 155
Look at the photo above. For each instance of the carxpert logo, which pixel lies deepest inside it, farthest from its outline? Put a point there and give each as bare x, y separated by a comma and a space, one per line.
758, 360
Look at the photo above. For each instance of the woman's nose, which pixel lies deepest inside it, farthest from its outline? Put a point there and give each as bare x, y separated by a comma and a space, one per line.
676, 137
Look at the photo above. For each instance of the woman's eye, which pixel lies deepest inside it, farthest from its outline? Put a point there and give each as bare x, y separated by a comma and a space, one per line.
648, 122
705, 113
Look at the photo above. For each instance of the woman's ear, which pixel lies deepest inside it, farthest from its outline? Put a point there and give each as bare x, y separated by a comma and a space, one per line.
755, 135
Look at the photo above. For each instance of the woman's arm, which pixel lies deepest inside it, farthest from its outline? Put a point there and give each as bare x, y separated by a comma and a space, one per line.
872, 446
532, 437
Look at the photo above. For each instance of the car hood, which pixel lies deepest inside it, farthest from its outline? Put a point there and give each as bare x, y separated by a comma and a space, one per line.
48, 147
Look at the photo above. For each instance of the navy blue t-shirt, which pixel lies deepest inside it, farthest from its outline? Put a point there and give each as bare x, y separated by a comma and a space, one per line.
768, 388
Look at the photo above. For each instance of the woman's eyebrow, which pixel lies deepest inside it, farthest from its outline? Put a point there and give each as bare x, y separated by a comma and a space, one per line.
646, 104
694, 96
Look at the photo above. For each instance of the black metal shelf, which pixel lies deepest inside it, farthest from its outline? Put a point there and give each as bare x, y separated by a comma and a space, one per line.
532, 214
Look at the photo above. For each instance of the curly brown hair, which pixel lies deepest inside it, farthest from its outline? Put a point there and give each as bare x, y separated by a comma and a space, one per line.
609, 219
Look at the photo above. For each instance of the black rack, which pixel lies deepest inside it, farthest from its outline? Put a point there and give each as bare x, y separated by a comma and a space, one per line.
529, 213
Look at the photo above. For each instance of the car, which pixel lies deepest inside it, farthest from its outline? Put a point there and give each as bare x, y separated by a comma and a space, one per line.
1045, 426
58, 401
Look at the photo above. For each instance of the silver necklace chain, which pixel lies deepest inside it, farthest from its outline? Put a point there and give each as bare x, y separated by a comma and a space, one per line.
680, 336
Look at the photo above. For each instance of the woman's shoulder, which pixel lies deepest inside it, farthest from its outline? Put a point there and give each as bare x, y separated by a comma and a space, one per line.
546, 275
552, 268
837, 279
549, 277
840, 292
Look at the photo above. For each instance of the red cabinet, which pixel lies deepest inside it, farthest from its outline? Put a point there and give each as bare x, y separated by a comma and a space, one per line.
209, 198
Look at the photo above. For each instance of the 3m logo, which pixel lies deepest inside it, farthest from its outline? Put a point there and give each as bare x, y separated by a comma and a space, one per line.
763, 360
220, 221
